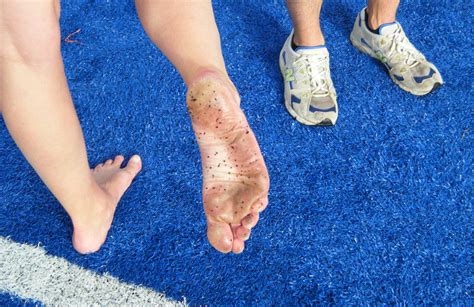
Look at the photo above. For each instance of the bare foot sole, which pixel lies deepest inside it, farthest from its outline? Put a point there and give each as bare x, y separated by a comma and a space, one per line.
90, 233
235, 178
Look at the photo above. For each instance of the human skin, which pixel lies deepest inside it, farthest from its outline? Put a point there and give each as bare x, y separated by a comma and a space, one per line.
305, 15
40, 116
235, 178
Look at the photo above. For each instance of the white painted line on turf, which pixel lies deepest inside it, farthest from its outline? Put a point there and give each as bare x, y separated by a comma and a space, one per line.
29, 273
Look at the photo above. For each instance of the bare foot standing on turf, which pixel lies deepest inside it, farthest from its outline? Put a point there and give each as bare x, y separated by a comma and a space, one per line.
39, 114
91, 231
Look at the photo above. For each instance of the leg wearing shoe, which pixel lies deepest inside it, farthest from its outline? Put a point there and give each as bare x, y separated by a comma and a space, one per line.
305, 17
310, 96
39, 114
377, 33
235, 179
381, 12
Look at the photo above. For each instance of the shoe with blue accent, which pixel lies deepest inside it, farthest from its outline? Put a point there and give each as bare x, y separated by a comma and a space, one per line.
407, 66
309, 92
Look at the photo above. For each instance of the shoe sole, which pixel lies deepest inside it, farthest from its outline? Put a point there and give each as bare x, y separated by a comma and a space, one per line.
323, 123
369, 52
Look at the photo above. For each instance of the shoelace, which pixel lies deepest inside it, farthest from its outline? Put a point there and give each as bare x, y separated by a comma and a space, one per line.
400, 49
315, 67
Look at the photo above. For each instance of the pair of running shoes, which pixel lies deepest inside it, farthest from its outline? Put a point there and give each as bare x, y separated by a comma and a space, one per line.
310, 96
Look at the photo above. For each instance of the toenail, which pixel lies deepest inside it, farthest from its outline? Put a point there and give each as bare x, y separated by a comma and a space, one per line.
136, 159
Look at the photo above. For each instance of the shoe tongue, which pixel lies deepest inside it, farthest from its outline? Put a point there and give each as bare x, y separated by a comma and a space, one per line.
316, 50
388, 28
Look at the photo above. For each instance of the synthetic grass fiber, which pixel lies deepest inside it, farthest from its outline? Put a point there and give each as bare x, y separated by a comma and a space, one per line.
377, 209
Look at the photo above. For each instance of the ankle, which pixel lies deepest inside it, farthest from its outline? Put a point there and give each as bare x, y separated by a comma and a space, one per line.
375, 19
206, 72
312, 39
89, 208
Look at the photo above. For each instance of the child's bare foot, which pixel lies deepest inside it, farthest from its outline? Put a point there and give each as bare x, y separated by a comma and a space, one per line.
235, 178
90, 230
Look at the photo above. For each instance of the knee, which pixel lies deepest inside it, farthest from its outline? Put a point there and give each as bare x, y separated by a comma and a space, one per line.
31, 35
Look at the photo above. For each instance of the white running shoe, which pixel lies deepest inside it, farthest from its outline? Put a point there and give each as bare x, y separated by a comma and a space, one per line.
309, 92
407, 66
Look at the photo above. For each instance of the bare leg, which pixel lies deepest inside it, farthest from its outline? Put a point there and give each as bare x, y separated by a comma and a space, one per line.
235, 179
381, 11
185, 31
305, 16
38, 112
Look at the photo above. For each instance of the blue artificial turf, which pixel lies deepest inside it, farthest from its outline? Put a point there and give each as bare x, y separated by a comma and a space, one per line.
377, 209
7, 299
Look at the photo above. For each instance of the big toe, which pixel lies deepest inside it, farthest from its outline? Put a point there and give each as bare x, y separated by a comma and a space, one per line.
122, 180
220, 236
133, 166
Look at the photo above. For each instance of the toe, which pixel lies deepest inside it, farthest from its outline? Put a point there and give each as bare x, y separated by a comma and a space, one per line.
259, 205
238, 246
108, 162
263, 204
134, 165
131, 170
220, 236
250, 220
99, 166
118, 160
123, 178
242, 233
